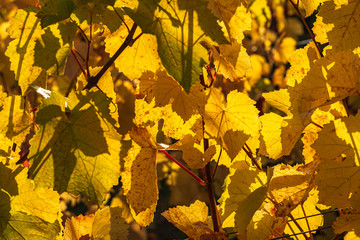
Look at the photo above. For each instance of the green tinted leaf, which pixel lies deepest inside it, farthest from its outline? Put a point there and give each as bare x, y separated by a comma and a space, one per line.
77, 151
54, 11
53, 47
179, 27
248, 207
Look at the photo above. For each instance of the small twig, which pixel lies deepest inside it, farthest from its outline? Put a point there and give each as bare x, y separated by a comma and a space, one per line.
78, 62
307, 221
316, 124
296, 6
127, 27
136, 38
249, 153
314, 230
210, 189
199, 180
79, 54
92, 81
83, 33
292, 230
217, 163
298, 225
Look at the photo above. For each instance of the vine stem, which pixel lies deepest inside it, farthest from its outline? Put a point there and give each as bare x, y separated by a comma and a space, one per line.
296, 6
248, 152
78, 62
92, 81
298, 226
210, 189
199, 180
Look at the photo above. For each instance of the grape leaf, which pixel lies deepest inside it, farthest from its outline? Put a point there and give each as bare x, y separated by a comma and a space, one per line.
191, 220
53, 47
76, 150
106, 224
320, 117
313, 218
348, 221
25, 28
15, 118
338, 25
79, 226
232, 13
247, 208
140, 57
238, 114
288, 188
139, 178
166, 91
340, 138
336, 78
232, 61
239, 184
300, 64
179, 26
54, 11
27, 213
22, 226
311, 5
336, 182
101, 12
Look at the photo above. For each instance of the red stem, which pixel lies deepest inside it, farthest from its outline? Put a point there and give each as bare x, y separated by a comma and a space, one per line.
199, 180
77, 60
249, 153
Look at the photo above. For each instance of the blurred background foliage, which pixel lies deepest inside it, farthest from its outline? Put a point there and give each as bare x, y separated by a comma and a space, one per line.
276, 33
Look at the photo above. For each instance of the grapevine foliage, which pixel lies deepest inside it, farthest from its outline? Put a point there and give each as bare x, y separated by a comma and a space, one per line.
97, 95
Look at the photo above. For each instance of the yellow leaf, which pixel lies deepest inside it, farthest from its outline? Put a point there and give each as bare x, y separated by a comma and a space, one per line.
238, 113
348, 221
25, 28
279, 134
261, 11
78, 227
284, 51
305, 221
166, 91
336, 182
15, 118
232, 61
239, 184
300, 63
139, 176
321, 116
340, 139
338, 25
142, 56
106, 84
187, 219
288, 188
311, 5
193, 153
336, 77
109, 224
234, 15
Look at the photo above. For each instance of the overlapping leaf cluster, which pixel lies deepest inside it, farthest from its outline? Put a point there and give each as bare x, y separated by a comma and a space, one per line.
191, 83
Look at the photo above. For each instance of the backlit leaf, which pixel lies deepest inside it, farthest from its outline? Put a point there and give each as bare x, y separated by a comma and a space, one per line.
139, 178
80, 143
188, 219
338, 25
179, 26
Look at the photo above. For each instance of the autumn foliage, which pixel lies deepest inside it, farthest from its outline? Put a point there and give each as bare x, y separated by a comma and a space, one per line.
229, 119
